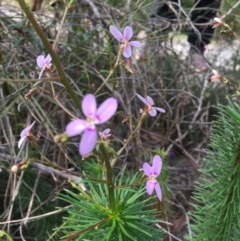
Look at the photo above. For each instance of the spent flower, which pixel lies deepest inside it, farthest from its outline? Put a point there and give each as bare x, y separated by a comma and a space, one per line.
124, 39
218, 22
105, 134
24, 135
94, 116
150, 108
152, 172
44, 63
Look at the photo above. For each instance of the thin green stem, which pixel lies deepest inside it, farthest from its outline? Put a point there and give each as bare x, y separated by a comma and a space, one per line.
61, 25
4, 233
129, 138
55, 97
47, 45
109, 173
112, 70
75, 235
232, 32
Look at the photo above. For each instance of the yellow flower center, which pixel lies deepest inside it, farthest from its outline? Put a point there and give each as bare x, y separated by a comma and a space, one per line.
125, 43
91, 121
152, 178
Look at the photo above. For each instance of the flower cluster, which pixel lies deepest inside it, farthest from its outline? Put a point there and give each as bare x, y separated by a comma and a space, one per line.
96, 116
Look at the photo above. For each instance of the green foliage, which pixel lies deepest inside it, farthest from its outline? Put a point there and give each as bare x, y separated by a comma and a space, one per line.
217, 196
92, 218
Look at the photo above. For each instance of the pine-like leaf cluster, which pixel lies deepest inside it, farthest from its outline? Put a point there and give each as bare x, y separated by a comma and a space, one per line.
217, 196
92, 218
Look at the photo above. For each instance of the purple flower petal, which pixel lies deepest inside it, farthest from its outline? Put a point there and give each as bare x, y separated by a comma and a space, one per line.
30, 127
88, 141
159, 109
116, 33
149, 100
152, 173
157, 165
89, 105
27, 129
142, 99
24, 133
106, 131
48, 59
152, 112
158, 191
22, 141
127, 52
40, 61
76, 127
127, 33
147, 169
106, 110
135, 44
149, 187
101, 134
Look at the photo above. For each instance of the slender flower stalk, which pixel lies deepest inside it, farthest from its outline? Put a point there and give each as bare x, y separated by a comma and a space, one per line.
113, 162
109, 176
149, 103
124, 39
152, 172
94, 116
24, 135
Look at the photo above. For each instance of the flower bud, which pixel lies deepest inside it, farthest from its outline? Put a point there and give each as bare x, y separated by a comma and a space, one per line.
61, 138
15, 168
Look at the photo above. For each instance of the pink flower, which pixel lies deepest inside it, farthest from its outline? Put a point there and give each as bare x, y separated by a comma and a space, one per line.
124, 39
44, 63
152, 173
94, 117
24, 135
149, 103
105, 134
215, 76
